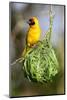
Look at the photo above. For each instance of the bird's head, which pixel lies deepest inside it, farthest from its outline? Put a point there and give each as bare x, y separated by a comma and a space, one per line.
33, 22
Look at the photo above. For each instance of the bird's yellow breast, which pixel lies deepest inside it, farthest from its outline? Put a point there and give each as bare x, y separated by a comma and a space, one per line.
33, 35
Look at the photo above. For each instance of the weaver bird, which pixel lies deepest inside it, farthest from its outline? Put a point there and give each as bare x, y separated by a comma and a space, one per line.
33, 34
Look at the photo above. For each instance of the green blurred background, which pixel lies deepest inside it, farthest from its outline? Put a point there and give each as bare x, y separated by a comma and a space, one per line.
19, 15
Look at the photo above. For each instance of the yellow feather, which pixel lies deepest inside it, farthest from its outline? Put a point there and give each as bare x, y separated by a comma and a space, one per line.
33, 35
34, 32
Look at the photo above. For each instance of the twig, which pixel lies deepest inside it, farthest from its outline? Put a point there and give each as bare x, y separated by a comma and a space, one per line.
17, 60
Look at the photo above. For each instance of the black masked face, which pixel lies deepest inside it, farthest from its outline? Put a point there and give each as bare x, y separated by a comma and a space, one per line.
31, 22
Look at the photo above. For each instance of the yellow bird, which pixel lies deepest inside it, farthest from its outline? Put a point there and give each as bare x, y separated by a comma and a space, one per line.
33, 34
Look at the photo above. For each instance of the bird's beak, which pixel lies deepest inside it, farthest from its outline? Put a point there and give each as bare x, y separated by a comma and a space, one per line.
28, 22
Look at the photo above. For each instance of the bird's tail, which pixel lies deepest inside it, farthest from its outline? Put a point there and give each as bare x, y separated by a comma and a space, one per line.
24, 53
26, 49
